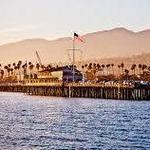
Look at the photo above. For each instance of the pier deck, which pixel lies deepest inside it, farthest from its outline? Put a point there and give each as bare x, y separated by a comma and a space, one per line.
82, 90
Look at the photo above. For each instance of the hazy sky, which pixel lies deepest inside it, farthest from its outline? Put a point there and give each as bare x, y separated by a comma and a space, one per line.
20, 19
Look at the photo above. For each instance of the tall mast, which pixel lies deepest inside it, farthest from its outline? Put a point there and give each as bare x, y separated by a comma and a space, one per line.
73, 55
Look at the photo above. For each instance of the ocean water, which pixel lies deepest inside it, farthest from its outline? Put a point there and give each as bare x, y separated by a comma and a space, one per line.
37, 123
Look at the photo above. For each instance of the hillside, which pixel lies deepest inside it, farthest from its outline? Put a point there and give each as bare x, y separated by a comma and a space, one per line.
143, 58
118, 42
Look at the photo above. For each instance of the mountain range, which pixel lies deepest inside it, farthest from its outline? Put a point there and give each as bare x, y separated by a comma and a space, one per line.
118, 42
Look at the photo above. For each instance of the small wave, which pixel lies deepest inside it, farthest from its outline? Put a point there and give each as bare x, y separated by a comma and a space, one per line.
64, 139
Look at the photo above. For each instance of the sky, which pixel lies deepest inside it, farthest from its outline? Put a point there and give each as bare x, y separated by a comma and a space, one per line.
50, 19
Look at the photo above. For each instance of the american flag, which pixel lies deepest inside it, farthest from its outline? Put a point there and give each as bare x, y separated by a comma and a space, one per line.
77, 37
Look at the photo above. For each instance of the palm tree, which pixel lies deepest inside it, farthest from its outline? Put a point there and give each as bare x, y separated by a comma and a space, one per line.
126, 73
19, 67
107, 66
11, 71
119, 69
15, 68
103, 66
37, 66
82, 66
149, 68
98, 67
140, 67
2, 74
83, 72
112, 66
90, 66
6, 68
144, 67
14, 64
43, 67
24, 69
94, 65
0, 70
122, 66
133, 67
29, 63
49, 66
86, 65
20, 62
57, 66
31, 66
94, 69
9, 65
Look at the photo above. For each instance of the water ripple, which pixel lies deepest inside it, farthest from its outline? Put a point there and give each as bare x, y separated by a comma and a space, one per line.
32, 122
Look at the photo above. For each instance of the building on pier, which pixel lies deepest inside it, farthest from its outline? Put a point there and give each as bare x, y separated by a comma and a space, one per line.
54, 76
43, 77
65, 73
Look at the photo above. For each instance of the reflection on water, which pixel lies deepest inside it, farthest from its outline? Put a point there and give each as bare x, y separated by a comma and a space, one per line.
32, 122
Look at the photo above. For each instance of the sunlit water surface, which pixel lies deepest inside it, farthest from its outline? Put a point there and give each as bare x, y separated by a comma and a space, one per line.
32, 122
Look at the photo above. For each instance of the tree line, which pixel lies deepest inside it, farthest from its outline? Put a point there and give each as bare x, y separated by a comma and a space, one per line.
91, 71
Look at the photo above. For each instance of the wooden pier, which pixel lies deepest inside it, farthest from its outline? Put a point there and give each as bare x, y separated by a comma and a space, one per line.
82, 91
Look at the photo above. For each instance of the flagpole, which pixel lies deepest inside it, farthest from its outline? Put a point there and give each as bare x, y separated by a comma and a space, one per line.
73, 58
